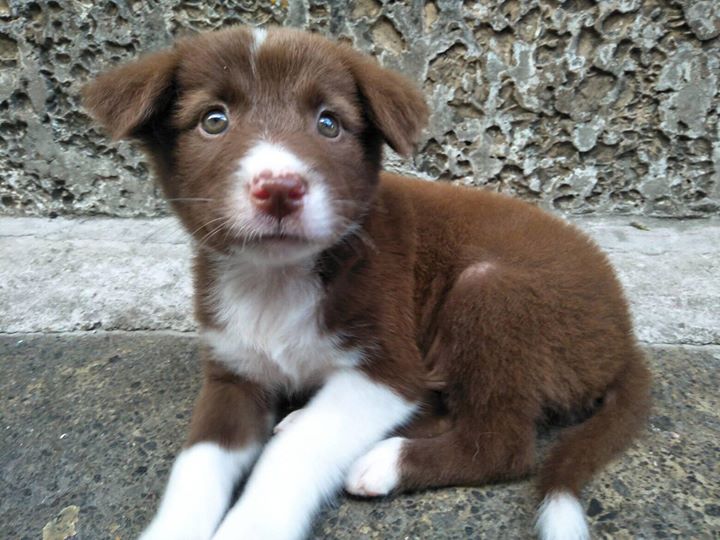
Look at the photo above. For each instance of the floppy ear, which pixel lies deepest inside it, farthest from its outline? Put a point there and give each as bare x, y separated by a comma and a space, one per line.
126, 99
396, 106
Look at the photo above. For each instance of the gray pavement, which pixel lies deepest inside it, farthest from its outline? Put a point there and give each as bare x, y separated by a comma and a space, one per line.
98, 373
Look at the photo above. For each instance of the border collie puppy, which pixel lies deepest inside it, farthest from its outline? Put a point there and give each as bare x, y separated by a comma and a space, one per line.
433, 326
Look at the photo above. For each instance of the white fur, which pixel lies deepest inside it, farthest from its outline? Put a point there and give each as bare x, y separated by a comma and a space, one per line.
376, 473
259, 35
560, 517
267, 325
267, 156
305, 464
198, 492
285, 422
315, 219
318, 217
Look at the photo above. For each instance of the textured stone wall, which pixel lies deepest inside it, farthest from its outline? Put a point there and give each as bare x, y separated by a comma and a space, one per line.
584, 106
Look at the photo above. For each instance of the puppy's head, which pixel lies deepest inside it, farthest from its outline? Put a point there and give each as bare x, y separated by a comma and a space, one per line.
265, 142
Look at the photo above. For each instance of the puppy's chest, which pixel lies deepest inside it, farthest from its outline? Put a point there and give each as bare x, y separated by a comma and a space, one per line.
267, 328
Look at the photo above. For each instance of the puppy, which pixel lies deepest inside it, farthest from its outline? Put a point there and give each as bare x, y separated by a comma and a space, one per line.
433, 325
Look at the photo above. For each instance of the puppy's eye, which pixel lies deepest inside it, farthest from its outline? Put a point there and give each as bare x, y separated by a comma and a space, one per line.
328, 125
214, 122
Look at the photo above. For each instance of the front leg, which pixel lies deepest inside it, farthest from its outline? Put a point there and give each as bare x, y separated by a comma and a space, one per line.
230, 423
305, 464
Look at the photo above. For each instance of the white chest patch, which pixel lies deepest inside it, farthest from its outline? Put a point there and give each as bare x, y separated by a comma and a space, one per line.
267, 325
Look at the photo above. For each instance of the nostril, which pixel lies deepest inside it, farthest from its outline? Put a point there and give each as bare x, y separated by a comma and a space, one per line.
296, 192
260, 193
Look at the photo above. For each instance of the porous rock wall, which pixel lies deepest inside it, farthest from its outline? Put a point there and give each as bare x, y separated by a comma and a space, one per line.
584, 106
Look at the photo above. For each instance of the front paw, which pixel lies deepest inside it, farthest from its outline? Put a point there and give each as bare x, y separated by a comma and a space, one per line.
376, 473
261, 526
287, 421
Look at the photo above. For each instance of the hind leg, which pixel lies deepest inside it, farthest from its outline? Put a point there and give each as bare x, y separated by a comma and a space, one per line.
480, 347
498, 446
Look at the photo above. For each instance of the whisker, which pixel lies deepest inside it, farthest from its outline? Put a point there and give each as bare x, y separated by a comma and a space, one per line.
190, 199
353, 231
346, 201
205, 239
162, 229
205, 225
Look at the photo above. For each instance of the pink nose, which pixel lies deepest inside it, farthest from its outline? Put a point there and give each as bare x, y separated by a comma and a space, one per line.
277, 196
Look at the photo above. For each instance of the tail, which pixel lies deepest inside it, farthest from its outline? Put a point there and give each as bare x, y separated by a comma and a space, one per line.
585, 448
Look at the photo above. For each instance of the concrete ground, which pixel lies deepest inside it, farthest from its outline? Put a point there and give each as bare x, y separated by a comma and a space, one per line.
98, 374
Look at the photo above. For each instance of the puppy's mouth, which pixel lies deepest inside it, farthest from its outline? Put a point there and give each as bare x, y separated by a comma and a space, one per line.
276, 239
282, 238
276, 247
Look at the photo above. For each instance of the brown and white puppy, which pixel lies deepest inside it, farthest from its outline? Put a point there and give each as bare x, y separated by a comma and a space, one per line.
434, 325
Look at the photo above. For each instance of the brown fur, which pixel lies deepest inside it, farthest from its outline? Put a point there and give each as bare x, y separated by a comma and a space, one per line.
221, 392
486, 309
514, 312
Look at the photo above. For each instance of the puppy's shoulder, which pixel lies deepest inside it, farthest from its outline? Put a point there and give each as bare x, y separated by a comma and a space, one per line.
441, 199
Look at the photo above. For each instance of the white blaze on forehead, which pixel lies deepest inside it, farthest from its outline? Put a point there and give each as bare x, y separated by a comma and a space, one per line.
259, 35
316, 216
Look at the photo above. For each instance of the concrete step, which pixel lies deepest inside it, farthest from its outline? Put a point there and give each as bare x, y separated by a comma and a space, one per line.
64, 275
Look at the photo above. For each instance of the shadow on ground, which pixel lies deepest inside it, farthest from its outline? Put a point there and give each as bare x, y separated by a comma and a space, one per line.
94, 422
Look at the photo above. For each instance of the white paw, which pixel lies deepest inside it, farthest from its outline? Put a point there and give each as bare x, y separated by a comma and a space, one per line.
376, 473
285, 422
200, 486
261, 524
